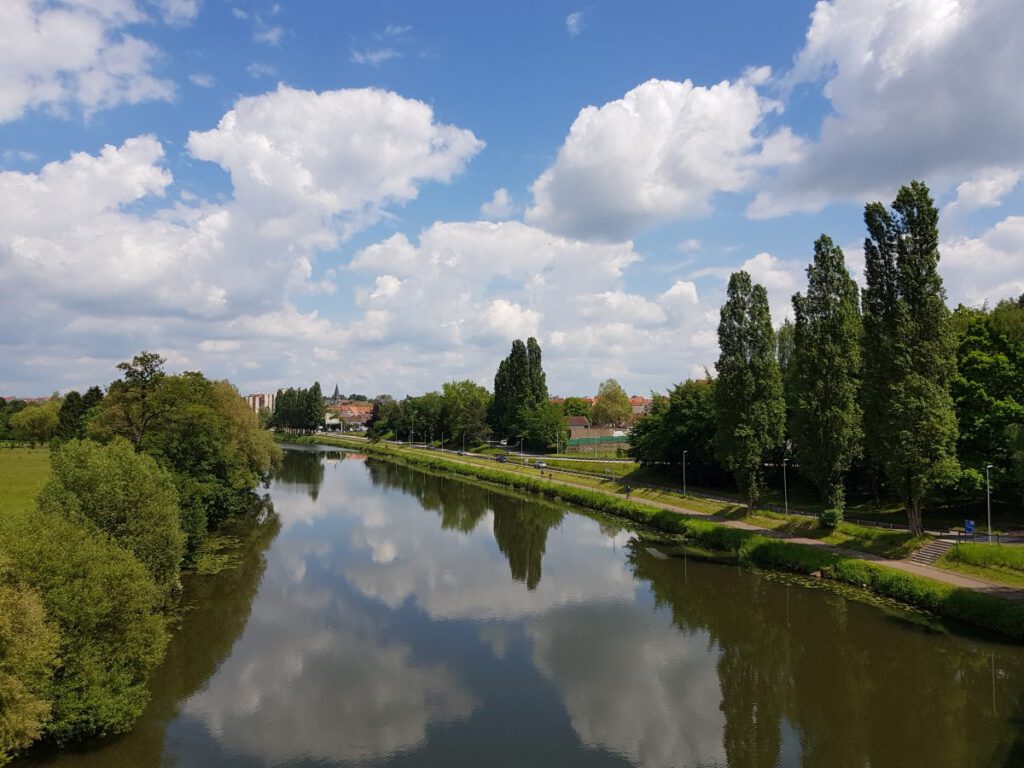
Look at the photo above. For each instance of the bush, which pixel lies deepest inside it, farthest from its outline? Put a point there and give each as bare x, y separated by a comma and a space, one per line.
105, 606
28, 655
125, 495
831, 518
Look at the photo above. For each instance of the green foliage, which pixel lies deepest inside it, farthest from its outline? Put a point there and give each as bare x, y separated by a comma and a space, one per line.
132, 406
519, 386
684, 421
992, 555
28, 656
576, 406
987, 393
464, 412
75, 412
105, 606
299, 408
126, 496
749, 401
542, 425
611, 406
36, 423
909, 349
831, 517
823, 375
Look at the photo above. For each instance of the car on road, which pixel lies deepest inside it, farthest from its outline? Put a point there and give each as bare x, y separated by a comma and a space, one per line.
462, 453
501, 458
541, 465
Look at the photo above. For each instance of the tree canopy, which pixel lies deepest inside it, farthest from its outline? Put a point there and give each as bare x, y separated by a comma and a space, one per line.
611, 406
909, 349
749, 402
825, 362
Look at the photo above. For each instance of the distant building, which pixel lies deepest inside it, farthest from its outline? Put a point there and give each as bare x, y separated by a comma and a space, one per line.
353, 413
640, 405
257, 402
577, 422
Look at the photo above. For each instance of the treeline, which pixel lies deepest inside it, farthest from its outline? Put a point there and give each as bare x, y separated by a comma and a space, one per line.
466, 413
301, 409
883, 388
88, 576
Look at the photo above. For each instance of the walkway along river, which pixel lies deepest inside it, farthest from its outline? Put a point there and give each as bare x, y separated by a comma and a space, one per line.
384, 615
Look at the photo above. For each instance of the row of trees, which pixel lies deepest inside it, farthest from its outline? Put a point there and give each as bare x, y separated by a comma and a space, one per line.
465, 412
301, 409
886, 383
88, 576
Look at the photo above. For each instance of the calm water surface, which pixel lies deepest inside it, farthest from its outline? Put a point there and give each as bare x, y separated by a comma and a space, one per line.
389, 617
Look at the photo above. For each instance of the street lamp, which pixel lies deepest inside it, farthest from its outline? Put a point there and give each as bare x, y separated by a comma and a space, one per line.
684, 473
785, 489
988, 501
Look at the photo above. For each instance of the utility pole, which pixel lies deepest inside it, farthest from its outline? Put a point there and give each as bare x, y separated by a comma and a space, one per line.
988, 501
684, 473
785, 489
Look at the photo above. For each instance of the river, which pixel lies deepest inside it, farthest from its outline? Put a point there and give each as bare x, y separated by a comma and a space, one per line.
386, 616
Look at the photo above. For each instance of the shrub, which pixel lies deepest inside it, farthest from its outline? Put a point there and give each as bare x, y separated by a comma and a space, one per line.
831, 518
28, 655
125, 495
105, 606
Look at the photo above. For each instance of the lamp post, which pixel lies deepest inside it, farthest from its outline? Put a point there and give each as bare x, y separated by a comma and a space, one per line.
785, 489
463, 442
988, 501
684, 473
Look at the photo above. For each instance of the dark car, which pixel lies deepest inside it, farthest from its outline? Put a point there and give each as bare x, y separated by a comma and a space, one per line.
501, 458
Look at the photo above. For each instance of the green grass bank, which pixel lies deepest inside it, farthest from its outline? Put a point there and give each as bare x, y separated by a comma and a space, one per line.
989, 612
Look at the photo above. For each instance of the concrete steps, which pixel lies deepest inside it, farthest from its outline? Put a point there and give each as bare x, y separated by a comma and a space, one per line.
929, 554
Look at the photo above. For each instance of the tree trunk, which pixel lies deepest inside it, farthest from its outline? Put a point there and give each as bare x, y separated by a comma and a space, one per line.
914, 517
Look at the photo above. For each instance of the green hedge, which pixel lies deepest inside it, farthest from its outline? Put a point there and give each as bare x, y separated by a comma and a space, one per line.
994, 613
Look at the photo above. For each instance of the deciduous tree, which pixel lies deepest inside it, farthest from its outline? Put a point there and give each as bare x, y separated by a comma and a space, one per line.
825, 363
611, 406
909, 349
748, 395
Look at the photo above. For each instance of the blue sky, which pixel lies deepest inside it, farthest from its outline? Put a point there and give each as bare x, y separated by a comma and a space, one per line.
383, 195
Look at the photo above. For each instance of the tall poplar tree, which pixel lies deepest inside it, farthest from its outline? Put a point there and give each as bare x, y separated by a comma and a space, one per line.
909, 349
825, 374
748, 395
520, 385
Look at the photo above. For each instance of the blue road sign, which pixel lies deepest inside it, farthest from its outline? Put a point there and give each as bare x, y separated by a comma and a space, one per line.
968, 526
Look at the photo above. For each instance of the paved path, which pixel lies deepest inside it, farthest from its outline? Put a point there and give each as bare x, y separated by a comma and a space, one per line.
927, 571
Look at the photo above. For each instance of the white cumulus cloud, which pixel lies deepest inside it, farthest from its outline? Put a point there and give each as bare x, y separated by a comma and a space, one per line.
917, 89
76, 55
658, 154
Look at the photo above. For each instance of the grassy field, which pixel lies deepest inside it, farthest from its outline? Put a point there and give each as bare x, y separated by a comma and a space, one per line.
999, 562
22, 473
878, 541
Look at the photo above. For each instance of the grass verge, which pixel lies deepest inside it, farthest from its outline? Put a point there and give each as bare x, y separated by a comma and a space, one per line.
997, 562
990, 612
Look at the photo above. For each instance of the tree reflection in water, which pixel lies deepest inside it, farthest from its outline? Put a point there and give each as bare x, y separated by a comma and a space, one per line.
851, 689
520, 528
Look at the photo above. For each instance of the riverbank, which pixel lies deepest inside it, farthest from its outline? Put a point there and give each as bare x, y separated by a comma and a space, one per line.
992, 607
